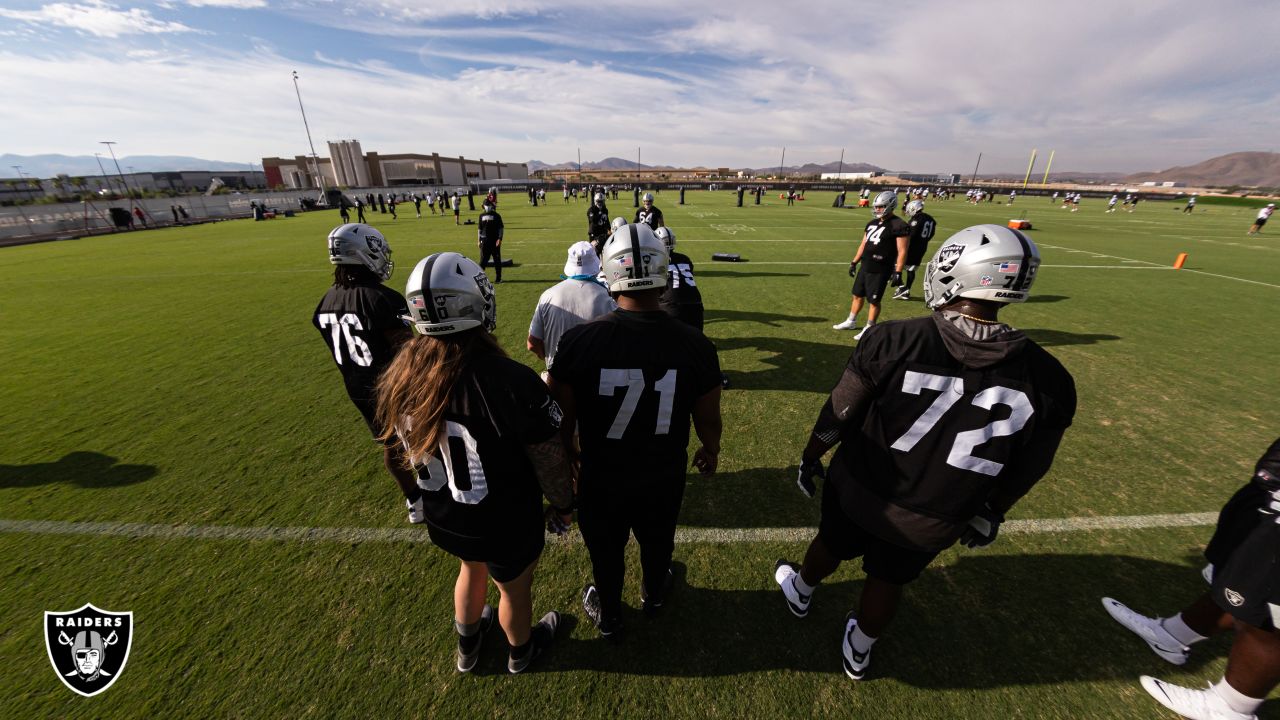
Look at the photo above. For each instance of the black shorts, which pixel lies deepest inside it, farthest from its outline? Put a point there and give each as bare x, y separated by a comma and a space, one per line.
1260, 222
915, 254
870, 285
1245, 556
368, 410
506, 557
880, 559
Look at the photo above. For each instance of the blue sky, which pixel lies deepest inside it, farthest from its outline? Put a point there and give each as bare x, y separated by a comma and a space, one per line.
908, 85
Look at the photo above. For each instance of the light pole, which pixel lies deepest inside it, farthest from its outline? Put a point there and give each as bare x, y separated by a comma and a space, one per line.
119, 172
98, 157
314, 161
23, 178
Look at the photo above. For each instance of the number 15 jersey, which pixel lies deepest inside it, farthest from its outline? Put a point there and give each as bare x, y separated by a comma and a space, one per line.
635, 377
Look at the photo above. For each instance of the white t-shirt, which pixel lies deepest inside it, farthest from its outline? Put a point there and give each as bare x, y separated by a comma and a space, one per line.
1265, 213
566, 305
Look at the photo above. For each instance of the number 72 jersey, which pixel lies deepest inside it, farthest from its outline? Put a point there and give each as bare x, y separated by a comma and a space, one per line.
942, 434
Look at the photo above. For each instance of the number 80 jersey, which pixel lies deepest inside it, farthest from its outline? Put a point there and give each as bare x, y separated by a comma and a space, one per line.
953, 421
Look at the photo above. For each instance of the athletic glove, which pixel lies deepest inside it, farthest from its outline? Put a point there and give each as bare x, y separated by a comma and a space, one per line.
809, 469
417, 515
982, 529
895, 279
556, 524
853, 269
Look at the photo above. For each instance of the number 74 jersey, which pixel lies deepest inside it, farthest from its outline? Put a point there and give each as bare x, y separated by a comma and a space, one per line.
954, 423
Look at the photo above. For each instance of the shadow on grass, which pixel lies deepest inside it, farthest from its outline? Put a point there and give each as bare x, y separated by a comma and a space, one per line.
983, 621
793, 364
1047, 298
745, 274
82, 469
1051, 338
756, 497
767, 318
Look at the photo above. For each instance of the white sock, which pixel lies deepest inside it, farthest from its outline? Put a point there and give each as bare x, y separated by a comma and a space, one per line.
1179, 630
1236, 700
861, 641
802, 587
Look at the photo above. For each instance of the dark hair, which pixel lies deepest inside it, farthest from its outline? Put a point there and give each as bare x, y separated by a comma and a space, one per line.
349, 276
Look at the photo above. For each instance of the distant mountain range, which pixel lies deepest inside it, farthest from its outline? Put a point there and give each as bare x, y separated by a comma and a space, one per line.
614, 163
47, 166
1260, 169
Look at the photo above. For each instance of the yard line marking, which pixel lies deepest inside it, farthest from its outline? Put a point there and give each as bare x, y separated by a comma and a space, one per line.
684, 535
1148, 262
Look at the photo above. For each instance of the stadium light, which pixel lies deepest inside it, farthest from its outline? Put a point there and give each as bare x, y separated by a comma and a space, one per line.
315, 162
119, 172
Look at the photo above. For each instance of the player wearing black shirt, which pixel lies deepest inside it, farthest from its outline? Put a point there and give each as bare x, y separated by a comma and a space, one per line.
681, 298
883, 252
481, 433
1244, 594
598, 222
489, 233
360, 320
648, 213
631, 381
943, 423
923, 227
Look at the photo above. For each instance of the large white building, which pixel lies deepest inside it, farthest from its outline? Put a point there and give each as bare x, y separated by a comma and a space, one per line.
348, 166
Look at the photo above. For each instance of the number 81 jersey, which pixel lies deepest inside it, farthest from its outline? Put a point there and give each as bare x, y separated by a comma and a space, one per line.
952, 421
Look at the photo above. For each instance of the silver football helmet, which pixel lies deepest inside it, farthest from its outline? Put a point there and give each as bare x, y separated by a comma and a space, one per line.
617, 223
647, 199
449, 293
984, 262
633, 258
884, 203
913, 207
359, 244
668, 238
599, 198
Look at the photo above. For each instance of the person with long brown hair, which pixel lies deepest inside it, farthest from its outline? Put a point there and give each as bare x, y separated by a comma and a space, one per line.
481, 432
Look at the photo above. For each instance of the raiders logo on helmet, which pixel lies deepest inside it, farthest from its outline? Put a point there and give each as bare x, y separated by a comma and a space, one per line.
947, 257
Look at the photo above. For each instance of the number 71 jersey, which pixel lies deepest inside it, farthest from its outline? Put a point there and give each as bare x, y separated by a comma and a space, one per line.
951, 422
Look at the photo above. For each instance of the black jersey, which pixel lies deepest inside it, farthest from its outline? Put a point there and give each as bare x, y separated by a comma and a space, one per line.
490, 227
480, 483
943, 433
354, 322
651, 217
598, 220
881, 253
923, 227
681, 288
635, 377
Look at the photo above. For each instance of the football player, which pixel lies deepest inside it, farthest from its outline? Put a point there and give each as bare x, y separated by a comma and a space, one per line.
1244, 595
681, 298
648, 213
481, 434
943, 422
489, 238
362, 323
597, 222
569, 303
1263, 215
883, 254
923, 226
630, 381
1191, 205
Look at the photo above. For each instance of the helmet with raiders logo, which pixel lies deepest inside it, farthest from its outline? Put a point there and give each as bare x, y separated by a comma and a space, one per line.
668, 238
617, 223
884, 203
913, 207
633, 258
599, 198
360, 244
449, 293
647, 199
983, 262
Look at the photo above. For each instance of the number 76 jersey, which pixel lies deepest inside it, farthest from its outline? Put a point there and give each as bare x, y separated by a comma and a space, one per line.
953, 422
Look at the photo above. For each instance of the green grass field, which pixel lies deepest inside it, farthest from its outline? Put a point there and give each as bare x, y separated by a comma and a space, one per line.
173, 377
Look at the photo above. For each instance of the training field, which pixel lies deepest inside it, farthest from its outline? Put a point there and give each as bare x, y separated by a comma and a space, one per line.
175, 441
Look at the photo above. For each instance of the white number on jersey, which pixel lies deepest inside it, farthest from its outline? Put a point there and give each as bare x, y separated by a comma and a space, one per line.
340, 329
456, 468
633, 380
926, 232
681, 273
873, 235
949, 390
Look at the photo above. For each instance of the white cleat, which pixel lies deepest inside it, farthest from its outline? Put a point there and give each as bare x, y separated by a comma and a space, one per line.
784, 573
862, 332
855, 663
850, 324
1150, 630
1195, 704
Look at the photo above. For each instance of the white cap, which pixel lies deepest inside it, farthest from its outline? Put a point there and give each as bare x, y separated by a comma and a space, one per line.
582, 260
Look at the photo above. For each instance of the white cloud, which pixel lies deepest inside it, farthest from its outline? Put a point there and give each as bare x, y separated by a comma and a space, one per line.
98, 18
235, 4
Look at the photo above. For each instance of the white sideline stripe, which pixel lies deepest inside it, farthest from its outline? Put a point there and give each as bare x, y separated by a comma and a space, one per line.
684, 535
840, 262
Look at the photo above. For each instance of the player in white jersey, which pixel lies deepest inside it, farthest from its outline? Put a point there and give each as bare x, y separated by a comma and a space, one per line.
1263, 215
